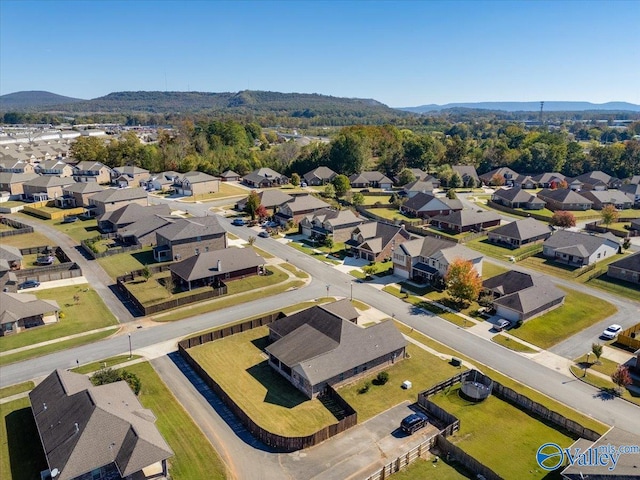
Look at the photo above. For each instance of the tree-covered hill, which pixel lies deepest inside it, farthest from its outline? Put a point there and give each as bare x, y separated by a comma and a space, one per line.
33, 100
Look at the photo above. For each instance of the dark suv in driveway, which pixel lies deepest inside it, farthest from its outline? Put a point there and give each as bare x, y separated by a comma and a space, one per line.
29, 284
414, 422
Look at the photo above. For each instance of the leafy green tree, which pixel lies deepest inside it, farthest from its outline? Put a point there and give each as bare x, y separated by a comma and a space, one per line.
109, 375
626, 243
146, 273
563, 219
328, 242
609, 214
369, 270
406, 176
341, 185
348, 153
295, 179
596, 349
89, 149
451, 194
455, 181
463, 282
329, 191
357, 199
253, 202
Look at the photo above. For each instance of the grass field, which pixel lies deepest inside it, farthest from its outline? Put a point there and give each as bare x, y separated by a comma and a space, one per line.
426, 468
106, 363
89, 314
507, 381
492, 423
370, 200
194, 457
267, 397
579, 311
548, 266
78, 230
382, 397
390, 213
491, 270
615, 286
310, 251
294, 270
21, 454
607, 387
27, 240
119, 264
511, 344
15, 389
484, 246
604, 365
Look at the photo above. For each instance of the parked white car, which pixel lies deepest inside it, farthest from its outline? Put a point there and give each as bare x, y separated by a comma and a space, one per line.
612, 331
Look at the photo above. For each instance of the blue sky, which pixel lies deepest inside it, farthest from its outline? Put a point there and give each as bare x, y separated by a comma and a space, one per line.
400, 53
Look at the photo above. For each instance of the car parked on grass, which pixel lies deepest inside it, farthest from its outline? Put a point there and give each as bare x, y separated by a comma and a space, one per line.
502, 324
611, 331
29, 284
414, 422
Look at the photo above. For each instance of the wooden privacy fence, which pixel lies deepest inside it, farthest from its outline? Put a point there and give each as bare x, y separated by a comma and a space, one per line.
452, 452
18, 227
404, 460
630, 338
86, 245
277, 442
65, 269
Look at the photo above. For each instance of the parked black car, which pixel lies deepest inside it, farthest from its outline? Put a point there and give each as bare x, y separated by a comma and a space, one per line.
29, 284
414, 422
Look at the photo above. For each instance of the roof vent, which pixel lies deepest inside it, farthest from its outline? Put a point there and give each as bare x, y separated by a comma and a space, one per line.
44, 405
77, 427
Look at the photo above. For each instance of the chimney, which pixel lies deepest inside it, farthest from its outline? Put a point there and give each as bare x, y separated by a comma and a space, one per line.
219, 268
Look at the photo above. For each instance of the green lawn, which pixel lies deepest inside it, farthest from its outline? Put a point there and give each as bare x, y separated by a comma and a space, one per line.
484, 246
492, 423
194, 457
106, 363
507, 381
27, 240
380, 268
79, 230
310, 251
607, 386
491, 270
382, 397
373, 199
579, 311
262, 253
426, 468
89, 314
615, 286
21, 454
360, 305
294, 270
267, 397
550, 267
122, 263
390, 213
16, 389
511, 344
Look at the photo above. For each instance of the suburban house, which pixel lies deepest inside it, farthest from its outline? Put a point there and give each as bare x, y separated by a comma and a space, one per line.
16, 166
603, 198
319, 176
635, 225
632, 190
23, 310
128, 176
370, 179
551, 180
564, 199
428, 205
376, 241
95, 432
519, 296
466, 220
426, 259
418, 186
635, 179
229, 176
598, 180
12, 256
579, 249
91, 172
315, 348
574, 184
57, 168
521, 232
187, 237
337, 224
524, 181
114, 220
505, 173
627, 268
467, 173
264, 178
269, 198
298, 207
13, 183
196, 183
212, 268
78, 194
160, 182
517, 198
143, 230
111, 199
46, 187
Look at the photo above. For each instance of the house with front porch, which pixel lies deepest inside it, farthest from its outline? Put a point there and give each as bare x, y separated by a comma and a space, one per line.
466, 221
376, 241
424, 205
46, 187
521, 232
524, 182
517, 198
213, 268
89, 171
564, 199
264, 178
11, 165
427, 259
316, 348
327, 222
579, 249
186, 237
19, 311
159, 182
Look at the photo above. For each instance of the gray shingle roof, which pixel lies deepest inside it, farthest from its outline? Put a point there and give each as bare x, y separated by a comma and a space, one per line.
49, 181
269, 198
323, 173
510, 282
380, 234
532, 298
206, 264
563, 195
418, 186
22, 305
517, 195
576, 243
10, 178
341, 308
464, 218
466, 171
198, 177
301, 203
119, 195
7, 252
631, 262
84, 427
133, 212
607, 196
186, 228
523, 229
83, 187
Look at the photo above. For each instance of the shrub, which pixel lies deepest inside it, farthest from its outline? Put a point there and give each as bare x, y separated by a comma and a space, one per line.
109, 375
382, 378
364, 388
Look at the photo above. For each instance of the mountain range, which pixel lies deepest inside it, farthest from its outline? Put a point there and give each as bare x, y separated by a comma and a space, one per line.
528, 107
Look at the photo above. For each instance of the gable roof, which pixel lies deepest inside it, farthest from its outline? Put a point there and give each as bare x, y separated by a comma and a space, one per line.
366, 177
11, 178
187, 228
119, 195
94, 426
46, 181
341, 308
596, 177
466, 171
549, 177
465, 218
324, 346
323, 173
206, 264
300, 203
83, 187
512, 281
576, 243
418, 186
133, 212
420, 200
384, 232
532, 298
523, 229
12, 254
517, 195
563, 195
129, 170
229, 174
197, 177
90, 166
335, 218
631, 262
502, 171
15, 306
607, 196
269, 198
